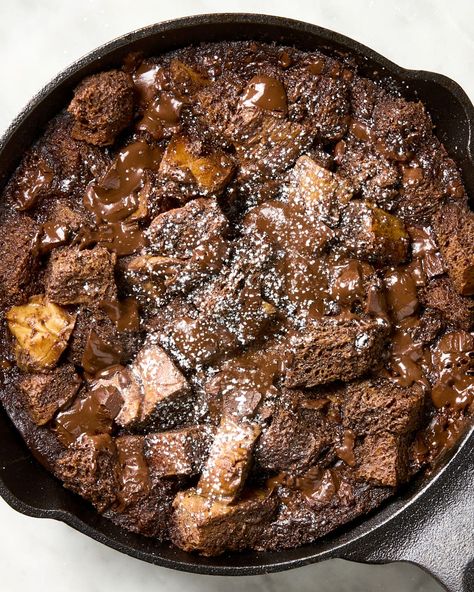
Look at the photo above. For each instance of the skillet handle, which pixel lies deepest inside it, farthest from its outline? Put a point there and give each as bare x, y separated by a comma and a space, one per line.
437, 531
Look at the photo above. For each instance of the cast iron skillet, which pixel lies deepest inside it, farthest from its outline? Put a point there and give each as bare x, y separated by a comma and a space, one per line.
431, 523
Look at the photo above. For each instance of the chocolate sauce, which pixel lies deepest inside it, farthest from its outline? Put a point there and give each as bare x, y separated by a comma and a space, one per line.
91, 414
401, 294
360, 131
443, 432
453, 358
348, 287
116, 196
123, 238
285, 59
99, 355
409, 359
266, 93
164, 111
412, 175
319, 485
52, 235
345, 451
149, 79
33, 184
124, 314
317, 66
134, 477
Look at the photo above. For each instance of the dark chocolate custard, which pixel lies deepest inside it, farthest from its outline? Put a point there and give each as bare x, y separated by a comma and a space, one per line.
236, 295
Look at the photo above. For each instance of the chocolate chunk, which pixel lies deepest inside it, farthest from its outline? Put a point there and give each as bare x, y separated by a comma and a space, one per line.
80, 277
130, 391
401, 293
375, 404
209, 526
45, 394
102, 107
335, 350
89, 468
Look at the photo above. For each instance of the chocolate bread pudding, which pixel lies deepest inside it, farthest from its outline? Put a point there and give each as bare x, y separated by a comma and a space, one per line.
236, 295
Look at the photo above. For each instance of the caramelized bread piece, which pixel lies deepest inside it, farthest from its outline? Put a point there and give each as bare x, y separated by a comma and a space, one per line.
454, 230
81, 277
226, 469
45, 394
41, 330
185, 79
133, 474
89, 468
185, 161
210, 527
102, 107
322, 192
373, 235
335, 350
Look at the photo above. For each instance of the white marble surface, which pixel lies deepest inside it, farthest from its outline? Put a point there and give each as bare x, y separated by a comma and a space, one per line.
37, 39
